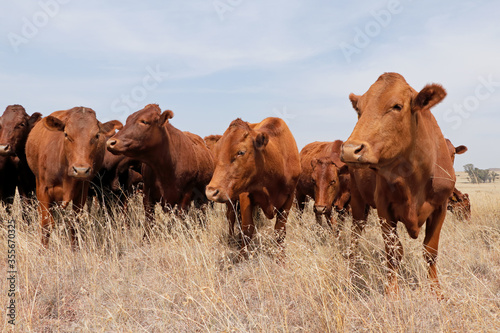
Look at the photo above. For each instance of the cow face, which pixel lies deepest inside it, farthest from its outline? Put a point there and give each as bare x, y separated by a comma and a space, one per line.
387, 122
84, 140
325, 178
15, 125
142, 132
238, 154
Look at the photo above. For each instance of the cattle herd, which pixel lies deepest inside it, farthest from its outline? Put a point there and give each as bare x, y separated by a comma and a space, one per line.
396, 160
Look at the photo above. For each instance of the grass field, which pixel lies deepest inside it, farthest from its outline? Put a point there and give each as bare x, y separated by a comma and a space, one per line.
187, 279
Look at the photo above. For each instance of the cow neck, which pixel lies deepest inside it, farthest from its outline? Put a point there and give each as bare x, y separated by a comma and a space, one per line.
163, 159
415, 162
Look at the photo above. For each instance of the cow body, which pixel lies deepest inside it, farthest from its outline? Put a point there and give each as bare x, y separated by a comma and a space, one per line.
398, 137
325, 178
259, 165
64, 151
15, 126
176, 165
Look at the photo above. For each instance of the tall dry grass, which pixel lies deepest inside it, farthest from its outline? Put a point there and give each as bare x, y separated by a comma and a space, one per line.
188, 278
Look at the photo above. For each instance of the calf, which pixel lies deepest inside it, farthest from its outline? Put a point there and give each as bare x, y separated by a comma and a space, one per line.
259, 165
15, 125
176, 165
325, 178
398, 137
64, 151
458, 203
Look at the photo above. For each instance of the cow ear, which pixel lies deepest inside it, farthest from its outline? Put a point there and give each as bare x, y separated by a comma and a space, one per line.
165, 116
54, 124
354, 100
261, 141
35, 117
431, 95
460, 149
109, 128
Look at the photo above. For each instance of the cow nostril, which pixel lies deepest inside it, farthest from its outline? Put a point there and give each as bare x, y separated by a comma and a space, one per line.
111, 143
359, 149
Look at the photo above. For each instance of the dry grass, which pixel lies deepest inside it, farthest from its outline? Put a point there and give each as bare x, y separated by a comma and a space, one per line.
187, 279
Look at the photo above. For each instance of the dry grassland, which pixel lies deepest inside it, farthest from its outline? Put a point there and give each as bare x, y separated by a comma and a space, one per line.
187, 279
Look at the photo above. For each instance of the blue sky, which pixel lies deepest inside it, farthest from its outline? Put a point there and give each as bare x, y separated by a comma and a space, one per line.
213, 61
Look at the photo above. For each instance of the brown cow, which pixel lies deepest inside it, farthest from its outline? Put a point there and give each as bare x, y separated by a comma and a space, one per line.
325, 178
458, 203
117, 179
259, 165
15, 125
397, 136
65, 150
176, 165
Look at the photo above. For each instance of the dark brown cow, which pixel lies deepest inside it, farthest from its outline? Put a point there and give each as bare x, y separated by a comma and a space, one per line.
397, 136
259, 165
458, 203
177, 165
324, 178
65, 150
15, 125
117, 179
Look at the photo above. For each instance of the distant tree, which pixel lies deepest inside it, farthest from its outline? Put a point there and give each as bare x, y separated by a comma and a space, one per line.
477, 175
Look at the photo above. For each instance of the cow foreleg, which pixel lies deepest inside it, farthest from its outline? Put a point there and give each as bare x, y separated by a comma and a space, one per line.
394, 251
431, 243
280, 226
247, 224
46, 218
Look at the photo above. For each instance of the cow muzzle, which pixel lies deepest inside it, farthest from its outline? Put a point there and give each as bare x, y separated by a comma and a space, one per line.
84, 172
215, 194
6, 150
319, 210
357, 153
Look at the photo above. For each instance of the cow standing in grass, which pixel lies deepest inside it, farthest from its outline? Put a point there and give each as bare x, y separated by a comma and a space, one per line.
65, 150
176, 165
15, 126
259, 165
398, 137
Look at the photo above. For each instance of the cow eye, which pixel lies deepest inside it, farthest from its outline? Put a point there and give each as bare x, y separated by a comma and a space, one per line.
144, 122
241, 153
397, 107
97, 136
67, 137
333, 182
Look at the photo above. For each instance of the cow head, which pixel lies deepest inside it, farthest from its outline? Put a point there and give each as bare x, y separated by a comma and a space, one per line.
238, 154
455, 150
15, 125
325, 178
142, 132
84, 140
387, 119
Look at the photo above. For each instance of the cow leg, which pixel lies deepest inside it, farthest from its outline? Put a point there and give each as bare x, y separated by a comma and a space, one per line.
46, 218
280, 226
332, 222
394, 252
301, 201
247, 224
78, 205
359, 216
231, 212
431, 243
